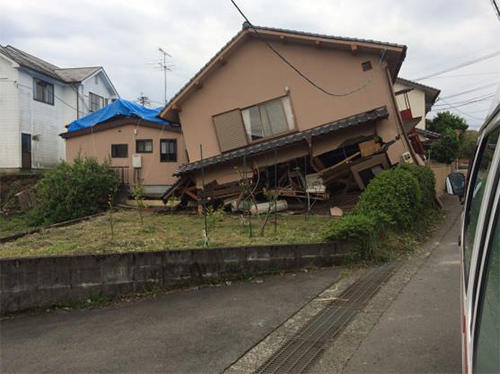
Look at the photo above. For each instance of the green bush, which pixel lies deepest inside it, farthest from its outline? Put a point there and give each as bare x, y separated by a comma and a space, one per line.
427, 181
362, 230
73, 190
394, 193
395, 200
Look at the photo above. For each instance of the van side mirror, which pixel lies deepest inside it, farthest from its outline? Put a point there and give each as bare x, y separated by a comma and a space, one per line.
455, 185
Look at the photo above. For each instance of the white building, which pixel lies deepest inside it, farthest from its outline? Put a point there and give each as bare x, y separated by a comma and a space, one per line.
415, 100
37, 101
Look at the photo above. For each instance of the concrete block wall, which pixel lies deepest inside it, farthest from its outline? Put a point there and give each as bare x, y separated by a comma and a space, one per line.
27, 283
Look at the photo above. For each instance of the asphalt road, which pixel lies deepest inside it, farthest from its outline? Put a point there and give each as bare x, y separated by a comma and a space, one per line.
420, 331
201, 331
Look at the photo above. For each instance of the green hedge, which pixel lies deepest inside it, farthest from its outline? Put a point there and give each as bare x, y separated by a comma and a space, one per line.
395, 200
395, 193
427, 181
74, 190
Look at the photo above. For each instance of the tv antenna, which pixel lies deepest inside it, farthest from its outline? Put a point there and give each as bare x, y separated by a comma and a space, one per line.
165, 68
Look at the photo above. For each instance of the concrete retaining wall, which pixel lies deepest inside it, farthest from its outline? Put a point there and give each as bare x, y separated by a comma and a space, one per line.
35, 282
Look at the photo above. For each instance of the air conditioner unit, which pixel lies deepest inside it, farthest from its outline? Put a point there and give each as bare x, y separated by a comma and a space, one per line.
137, 161
406, 157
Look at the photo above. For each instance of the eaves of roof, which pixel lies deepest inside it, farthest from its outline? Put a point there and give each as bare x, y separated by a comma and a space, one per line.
297, 33
273, 144
31, 62
433, 92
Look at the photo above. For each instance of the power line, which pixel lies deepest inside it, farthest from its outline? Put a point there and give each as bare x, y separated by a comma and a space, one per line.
469, 101
471, 90
294, 68
459, 66
496, 8
465, 114
467, 75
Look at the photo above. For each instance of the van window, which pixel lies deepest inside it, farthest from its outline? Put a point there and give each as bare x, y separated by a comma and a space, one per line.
486, 358
477, 187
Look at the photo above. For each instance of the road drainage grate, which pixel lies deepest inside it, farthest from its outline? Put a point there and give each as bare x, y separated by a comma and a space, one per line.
307, 345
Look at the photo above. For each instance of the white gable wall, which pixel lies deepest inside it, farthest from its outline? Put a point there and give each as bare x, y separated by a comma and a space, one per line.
10, 138
417, 102
99, 88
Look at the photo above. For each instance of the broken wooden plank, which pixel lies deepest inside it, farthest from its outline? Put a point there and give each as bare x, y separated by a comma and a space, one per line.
369, 148
344, 161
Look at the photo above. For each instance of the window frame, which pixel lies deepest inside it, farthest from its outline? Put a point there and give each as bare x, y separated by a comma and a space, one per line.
174, 141
137, 141
483, 273
100, 100
468, 268
114, 155
265, 138
472, 277
46, 84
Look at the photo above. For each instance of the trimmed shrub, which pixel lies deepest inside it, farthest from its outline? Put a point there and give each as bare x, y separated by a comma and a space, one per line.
394, 193
74, 190
395, 200
427, 181
360, 229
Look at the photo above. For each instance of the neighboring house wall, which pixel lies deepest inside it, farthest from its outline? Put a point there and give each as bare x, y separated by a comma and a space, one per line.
42, 121
253, 74
417, 102
153, 172
98, 87
20, 113
10, 137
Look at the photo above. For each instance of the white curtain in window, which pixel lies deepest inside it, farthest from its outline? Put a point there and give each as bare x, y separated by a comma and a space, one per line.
251, 119
273, 118
287, 106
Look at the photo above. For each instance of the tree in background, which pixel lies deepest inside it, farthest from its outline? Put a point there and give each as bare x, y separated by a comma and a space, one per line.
468, 144
446, 120
446, 148
143, 100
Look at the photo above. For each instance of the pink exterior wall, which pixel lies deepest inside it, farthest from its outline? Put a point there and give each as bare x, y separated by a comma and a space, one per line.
253, 74
153, 172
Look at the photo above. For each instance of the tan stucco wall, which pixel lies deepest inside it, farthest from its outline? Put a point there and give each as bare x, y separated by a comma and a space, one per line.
417, 102
254, 74
441, 171
153, 171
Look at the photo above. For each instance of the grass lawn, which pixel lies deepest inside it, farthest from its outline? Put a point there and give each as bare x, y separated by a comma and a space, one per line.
159, 232
12, 225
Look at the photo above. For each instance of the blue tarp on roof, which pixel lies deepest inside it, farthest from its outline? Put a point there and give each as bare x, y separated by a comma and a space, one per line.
119, 108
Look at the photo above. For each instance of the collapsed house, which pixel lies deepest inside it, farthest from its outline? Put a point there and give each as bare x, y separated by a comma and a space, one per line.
252, 125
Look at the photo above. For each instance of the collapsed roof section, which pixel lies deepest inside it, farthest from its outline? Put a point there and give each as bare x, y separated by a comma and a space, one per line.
274, 144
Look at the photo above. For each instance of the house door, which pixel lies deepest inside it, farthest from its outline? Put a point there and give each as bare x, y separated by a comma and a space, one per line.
26, 151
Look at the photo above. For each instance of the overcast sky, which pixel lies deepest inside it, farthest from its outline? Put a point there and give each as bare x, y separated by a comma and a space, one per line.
124, 36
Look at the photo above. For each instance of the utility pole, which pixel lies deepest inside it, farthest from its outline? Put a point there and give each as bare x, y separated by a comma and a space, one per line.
165, 68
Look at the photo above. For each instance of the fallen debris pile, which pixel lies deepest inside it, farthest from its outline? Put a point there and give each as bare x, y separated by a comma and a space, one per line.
329, 183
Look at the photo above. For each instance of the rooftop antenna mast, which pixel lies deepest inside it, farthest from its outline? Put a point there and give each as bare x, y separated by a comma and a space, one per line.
165, 68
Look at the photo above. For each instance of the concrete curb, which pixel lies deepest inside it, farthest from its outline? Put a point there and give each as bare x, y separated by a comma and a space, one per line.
27, 283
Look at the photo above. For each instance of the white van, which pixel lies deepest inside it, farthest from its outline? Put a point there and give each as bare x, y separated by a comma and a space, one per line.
480, 250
